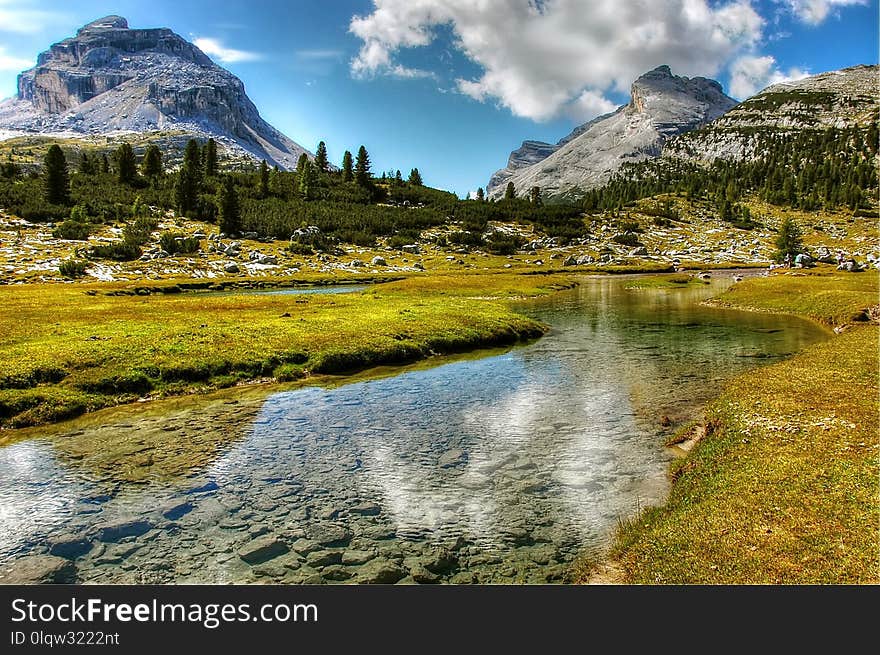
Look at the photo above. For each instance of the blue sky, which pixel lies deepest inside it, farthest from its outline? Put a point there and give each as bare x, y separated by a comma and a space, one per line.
452, 86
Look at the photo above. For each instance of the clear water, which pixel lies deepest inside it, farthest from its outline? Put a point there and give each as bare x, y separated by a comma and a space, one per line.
496, 469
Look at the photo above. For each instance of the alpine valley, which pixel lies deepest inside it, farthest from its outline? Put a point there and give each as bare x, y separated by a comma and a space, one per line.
646, 353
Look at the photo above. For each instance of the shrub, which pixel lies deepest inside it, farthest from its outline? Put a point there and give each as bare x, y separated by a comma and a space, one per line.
626, 239
177, 243
298, 248
121, 251
499, 243
73, 268
72, 230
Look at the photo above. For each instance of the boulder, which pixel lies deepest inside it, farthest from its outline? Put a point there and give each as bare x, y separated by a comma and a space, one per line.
641, 251
380, 571
411, 249
70, 548
328, 534
262, 550
379, 261
231, 267
357, 557
118, 530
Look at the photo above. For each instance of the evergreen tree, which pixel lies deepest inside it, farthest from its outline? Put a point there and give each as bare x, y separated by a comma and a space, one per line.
510, 192
481, 195
415, 178
86, 164
362, 167
228, 211
275, 187
347, 174
151, 167
301, 165
398, 178
126, 164
210, 157
105, 163
189, 179
321, 162
307, 180
56, 182
788, 240
535, 196
264, 179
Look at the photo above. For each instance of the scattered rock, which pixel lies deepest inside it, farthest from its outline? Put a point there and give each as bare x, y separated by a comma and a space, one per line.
357, 557
380, 571
71, 548
262, 550
320, 558
329, 534
113, 532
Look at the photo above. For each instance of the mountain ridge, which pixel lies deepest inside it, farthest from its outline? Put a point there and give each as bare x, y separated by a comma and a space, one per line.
662, 105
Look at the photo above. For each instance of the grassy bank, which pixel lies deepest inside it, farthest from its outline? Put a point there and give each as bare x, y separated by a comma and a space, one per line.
69, 349
783, 486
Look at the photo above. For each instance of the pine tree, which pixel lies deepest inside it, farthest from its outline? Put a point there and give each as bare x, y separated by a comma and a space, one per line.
301, 164
398, 178
415, 178
210, 158
510, 192
151, 167
347, 174
481, 195
321, 162
307, 180
126, 164
362, 167
264, 179
227, 207
86, 164
788, 240
189, 179
105, 163
56, 182
535, 196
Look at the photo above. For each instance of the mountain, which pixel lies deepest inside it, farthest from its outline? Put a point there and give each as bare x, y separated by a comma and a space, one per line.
663, 105
843, 98
113, 79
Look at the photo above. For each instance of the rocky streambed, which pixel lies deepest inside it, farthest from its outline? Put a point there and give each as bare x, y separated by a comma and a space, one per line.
502, 468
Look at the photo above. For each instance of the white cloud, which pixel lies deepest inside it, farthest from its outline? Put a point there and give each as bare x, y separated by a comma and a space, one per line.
750, 74
17, 16
216, 50
541, 60
11, 63
589, 105
816, 11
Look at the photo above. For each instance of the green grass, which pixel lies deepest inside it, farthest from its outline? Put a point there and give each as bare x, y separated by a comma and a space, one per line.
822, 294
69, 349
783, 486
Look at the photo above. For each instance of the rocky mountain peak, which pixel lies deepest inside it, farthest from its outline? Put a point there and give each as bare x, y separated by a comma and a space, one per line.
662, 105
112, 78
106, 23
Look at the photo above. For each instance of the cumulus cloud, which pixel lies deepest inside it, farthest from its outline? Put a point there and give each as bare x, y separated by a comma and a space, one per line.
11, 63
215, 49
750, 74
816, 11
545, 59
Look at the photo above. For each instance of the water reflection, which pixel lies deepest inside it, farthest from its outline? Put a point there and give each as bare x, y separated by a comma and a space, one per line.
514, 462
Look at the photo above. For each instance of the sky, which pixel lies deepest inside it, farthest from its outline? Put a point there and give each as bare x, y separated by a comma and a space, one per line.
452, 86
